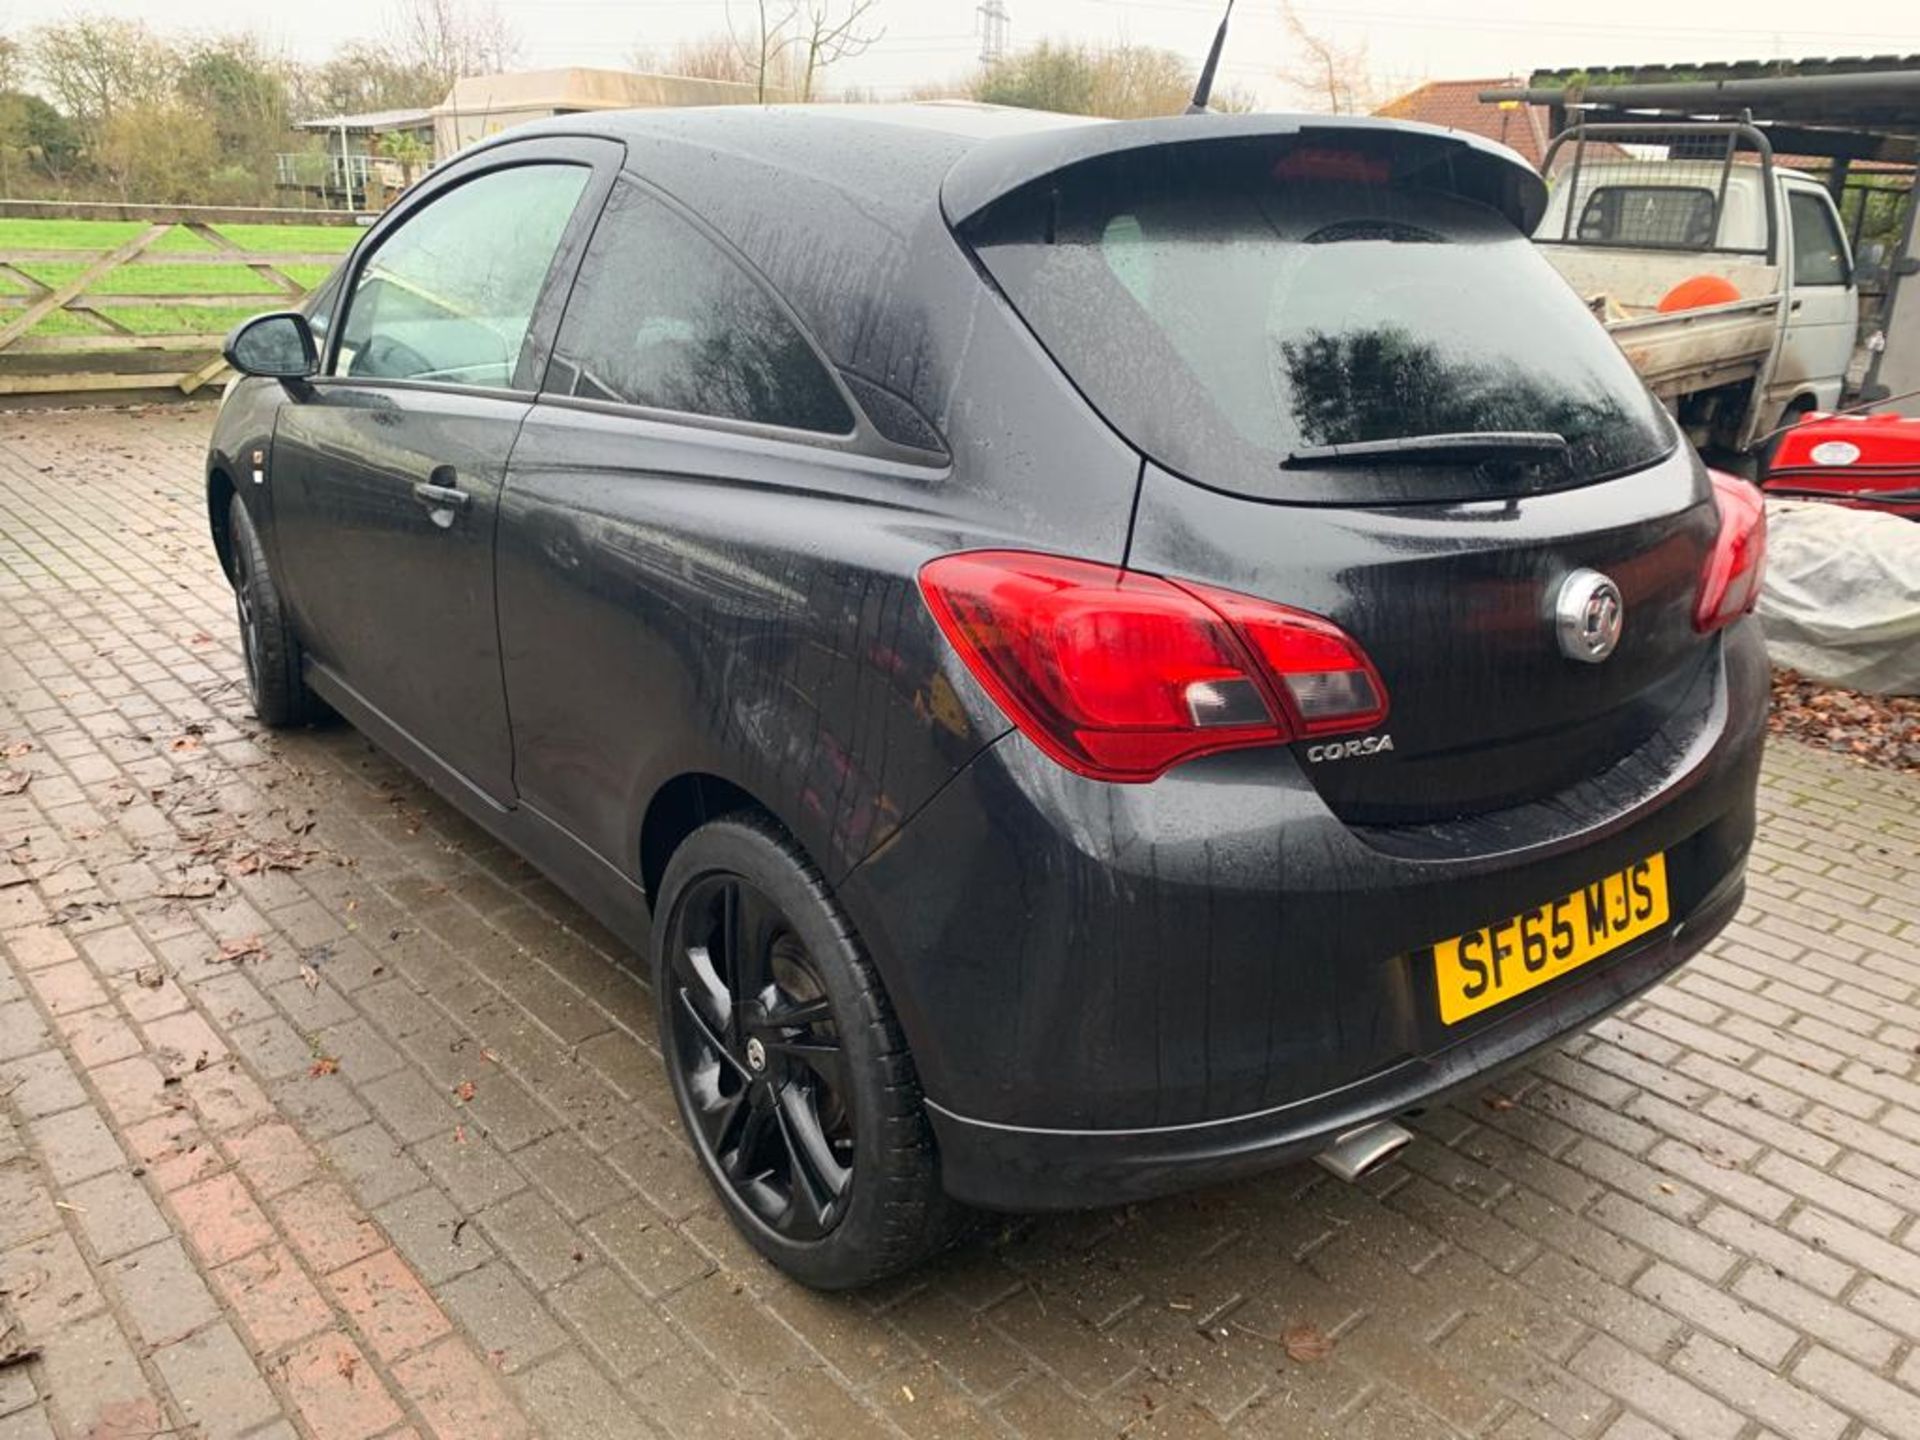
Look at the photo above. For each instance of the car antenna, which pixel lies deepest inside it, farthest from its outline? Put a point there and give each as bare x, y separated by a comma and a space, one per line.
1203, 87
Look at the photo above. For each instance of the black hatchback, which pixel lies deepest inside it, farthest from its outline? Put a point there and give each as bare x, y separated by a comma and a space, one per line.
1093, 657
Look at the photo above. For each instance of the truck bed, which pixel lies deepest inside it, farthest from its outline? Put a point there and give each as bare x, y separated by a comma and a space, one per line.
1685, 350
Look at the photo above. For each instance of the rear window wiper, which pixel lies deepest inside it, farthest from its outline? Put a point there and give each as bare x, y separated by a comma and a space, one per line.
1465, 447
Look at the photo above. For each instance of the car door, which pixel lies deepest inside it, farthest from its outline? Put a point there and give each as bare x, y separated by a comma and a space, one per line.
688, 444
387, 467
1823, 307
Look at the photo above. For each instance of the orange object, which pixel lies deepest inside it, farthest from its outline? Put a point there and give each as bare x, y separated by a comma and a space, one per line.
1697, 291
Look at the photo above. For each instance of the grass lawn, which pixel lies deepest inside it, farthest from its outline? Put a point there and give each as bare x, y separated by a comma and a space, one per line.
89, 235
154, 280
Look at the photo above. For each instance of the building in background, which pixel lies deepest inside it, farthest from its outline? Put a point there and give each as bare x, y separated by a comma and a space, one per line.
483, 105
361, 161
1456, 105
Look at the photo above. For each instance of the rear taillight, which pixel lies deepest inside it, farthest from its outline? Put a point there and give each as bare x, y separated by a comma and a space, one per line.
1730, 584
1120, 676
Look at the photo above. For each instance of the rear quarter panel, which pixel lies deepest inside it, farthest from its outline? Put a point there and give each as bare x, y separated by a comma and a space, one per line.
676, 599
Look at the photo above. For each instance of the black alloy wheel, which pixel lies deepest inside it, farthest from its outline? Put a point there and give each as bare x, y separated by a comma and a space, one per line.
275, 683
244, 583
789, 1070
758, 1058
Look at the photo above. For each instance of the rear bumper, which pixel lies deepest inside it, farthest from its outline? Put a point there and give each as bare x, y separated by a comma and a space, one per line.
1007, 1167
1118, 991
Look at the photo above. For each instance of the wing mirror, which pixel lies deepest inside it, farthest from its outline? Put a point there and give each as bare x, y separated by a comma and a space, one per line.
279, 346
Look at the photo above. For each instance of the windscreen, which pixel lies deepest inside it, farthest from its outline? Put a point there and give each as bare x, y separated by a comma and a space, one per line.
1232, 309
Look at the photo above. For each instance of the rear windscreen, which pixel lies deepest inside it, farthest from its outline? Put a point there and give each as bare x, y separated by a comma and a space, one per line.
1228, 308
1648, 217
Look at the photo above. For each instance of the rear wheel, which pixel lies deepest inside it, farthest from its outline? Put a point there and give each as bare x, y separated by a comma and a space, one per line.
790, 1073
275, 683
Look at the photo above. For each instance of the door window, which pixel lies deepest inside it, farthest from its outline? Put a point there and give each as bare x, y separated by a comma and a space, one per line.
1819, 254
662, 317
449, 295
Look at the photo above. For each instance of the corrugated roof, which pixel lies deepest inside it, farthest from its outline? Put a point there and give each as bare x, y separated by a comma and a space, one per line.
1716, 70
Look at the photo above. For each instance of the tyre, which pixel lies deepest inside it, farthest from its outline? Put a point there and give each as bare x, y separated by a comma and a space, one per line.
793, 1081
275, 683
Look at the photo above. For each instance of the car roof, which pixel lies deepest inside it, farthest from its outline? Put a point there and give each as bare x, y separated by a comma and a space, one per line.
832, 202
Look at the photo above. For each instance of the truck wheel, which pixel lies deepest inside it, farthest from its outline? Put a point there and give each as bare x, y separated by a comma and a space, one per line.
789, 1070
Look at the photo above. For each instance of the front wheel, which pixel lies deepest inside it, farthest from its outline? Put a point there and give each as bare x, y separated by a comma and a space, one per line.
275, 683
790, 1072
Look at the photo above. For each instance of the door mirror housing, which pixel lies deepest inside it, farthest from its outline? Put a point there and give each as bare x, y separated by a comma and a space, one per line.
279, 346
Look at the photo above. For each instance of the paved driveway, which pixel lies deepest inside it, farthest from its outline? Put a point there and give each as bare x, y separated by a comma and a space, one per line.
330, 1117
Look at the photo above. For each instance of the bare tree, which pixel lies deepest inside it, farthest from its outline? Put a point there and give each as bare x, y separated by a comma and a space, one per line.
706, 57
829, 31
788, 44
93, 67
451, 38
762, 44
1336, 75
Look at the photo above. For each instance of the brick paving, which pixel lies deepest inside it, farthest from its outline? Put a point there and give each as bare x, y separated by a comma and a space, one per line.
326, 1116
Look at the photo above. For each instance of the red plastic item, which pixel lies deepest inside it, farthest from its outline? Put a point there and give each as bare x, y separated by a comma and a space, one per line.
1120, 676
1868, 462
1697, 292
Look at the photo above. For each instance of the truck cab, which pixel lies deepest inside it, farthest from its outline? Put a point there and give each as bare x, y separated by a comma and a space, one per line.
1727, 280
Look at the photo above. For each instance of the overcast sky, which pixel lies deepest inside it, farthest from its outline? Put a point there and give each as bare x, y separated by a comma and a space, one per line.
1408, 40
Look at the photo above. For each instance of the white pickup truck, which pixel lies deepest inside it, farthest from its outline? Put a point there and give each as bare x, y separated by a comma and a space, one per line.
1764, 328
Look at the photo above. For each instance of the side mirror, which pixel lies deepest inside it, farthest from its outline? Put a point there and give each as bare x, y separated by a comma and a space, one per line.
279, 346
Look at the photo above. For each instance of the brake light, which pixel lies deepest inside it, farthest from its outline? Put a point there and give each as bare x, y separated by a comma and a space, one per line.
1730, 584
1120, 676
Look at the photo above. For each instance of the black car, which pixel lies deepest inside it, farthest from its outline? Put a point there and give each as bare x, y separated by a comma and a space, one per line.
1093, 657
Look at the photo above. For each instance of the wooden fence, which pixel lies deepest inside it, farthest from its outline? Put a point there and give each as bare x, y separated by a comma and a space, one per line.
65, 334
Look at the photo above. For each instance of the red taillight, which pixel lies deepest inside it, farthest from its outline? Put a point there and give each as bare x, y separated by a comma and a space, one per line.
1120, 676
1730, 585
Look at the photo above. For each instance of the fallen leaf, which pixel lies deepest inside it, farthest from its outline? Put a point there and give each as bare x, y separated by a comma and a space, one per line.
323, 1065
16, 750
246, 947
185, 742
459, 1134
311, 977
346, 1364
464, 1090
1496, 1102
12, 782
149, 977
1306, 1344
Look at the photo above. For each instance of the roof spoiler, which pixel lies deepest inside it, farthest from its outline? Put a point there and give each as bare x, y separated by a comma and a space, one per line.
1463, 165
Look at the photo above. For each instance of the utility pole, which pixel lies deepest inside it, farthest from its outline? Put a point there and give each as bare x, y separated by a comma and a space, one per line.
993, 30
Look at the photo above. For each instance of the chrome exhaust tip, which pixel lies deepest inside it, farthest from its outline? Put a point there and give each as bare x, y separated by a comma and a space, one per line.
1358, 1151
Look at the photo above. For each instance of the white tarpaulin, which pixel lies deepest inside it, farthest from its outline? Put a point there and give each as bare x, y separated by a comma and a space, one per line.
1841, 601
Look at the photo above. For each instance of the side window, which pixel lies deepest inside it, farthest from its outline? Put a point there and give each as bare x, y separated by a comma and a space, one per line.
1819, 254
449, 294
661, 317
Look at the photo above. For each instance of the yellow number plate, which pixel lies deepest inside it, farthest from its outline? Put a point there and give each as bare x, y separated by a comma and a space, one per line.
1483, 968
